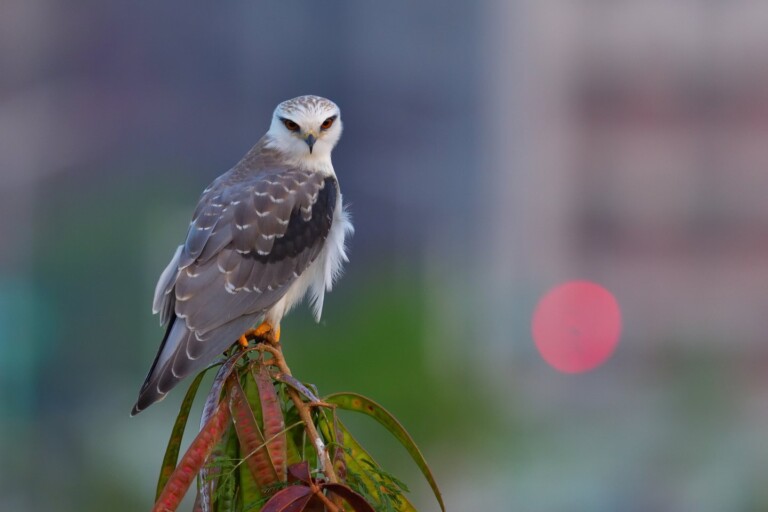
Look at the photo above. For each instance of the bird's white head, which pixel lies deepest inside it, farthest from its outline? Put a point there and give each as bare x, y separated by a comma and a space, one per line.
305, 130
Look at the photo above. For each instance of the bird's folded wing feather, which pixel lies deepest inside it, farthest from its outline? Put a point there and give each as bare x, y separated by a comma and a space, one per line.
248, 242
251, 236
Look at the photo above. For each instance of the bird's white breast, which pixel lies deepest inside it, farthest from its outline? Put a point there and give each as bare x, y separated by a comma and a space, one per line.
321, 273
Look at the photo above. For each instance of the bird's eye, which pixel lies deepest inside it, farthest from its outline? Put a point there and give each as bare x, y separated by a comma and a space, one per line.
290, 124
328, 123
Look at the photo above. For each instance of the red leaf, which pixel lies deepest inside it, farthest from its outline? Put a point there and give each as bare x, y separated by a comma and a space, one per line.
274, 424
356, 501
289, 497
214, 396
300, 472
309, 504
217, 471
207, 483
192, 461
251, 439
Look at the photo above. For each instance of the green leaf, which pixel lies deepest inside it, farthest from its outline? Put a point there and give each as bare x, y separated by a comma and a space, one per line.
294, 438
227, 492
174, 443
209, 475
251, 391
372, 484
359, 403
250, 497
339, 464
252, 445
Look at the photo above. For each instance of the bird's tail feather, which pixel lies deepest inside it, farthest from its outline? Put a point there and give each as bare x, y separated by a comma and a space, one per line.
182, 353
175, 336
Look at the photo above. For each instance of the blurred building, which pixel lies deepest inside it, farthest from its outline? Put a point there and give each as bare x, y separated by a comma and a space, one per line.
627, 143
624, 143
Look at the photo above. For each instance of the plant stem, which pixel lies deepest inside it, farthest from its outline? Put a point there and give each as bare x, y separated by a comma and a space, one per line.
304, 412
331, 506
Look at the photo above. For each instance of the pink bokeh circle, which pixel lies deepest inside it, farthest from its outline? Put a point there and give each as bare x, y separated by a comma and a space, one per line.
576, 326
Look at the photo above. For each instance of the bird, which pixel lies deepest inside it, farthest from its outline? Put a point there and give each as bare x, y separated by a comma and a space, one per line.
264, 235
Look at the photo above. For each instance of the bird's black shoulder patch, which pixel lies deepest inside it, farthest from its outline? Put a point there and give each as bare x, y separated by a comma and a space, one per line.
302, 234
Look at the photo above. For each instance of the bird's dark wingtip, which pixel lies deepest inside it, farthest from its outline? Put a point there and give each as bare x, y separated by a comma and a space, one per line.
136, 410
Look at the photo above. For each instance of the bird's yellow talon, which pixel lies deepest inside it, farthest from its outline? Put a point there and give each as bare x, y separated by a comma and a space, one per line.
261, 330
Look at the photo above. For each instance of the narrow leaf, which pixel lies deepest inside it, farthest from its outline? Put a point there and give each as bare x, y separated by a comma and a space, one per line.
359, 463
294, 439
251, 390
251, 439
209, 475
214, 396
206, 478
273, 421
192, 461
339, 464
250, 495
359, 403
292, 450
297, 385
174, 443
225, 486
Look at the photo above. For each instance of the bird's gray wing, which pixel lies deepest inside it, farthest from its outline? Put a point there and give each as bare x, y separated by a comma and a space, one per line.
249, 239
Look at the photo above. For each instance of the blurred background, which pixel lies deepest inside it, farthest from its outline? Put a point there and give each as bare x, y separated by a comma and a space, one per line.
492, 151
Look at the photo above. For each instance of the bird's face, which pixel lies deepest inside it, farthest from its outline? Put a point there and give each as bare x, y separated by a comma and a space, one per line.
306, 128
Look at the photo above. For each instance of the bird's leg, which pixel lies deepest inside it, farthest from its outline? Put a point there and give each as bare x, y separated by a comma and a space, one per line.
269, 333
264, 332
259, 332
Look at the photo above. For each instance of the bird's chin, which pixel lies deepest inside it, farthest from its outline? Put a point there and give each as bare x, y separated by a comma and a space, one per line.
297, 152
319, 158
320, 149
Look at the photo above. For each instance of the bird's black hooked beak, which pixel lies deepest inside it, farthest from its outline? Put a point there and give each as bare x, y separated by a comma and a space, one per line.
310, 140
